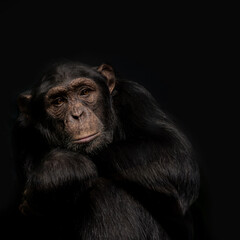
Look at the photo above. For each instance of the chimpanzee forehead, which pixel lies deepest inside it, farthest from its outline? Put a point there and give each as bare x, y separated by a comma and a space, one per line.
69, 71
71, 85
66, 74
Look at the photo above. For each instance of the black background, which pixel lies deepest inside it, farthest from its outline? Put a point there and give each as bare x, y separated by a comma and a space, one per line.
179, 53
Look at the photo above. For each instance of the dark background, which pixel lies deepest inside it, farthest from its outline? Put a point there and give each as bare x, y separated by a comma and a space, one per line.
179, 53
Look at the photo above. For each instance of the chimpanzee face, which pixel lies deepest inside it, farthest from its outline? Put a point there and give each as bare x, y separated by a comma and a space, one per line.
77, 110
74, 111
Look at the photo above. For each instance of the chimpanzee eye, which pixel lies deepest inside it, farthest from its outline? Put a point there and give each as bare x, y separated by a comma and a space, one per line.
58, 101
85, 91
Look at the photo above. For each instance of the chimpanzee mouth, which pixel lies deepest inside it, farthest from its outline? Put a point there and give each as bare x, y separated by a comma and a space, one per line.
87, 138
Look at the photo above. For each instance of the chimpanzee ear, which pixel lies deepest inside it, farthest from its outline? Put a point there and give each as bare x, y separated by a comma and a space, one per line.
108, 73
23, 102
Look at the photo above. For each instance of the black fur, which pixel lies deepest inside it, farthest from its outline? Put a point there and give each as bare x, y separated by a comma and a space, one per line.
139, 184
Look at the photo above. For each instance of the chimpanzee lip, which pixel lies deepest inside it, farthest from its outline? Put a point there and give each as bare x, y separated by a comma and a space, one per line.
87, 138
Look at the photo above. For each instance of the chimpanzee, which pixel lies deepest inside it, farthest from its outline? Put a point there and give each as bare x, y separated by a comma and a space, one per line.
100, 160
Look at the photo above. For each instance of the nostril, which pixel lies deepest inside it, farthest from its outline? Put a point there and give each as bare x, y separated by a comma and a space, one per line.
75, 117
76, 114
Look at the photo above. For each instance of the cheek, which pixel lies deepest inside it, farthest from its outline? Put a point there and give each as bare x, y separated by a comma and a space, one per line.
93, 124
92, 99
103, 111
57, 113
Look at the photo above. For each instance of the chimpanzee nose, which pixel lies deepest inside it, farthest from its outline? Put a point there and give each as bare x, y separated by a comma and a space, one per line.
76, 113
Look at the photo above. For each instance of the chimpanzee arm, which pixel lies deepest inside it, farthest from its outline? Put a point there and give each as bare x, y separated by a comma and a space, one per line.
61, 167
60, 177
153, 160
163, 179
151, 168
152, 153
